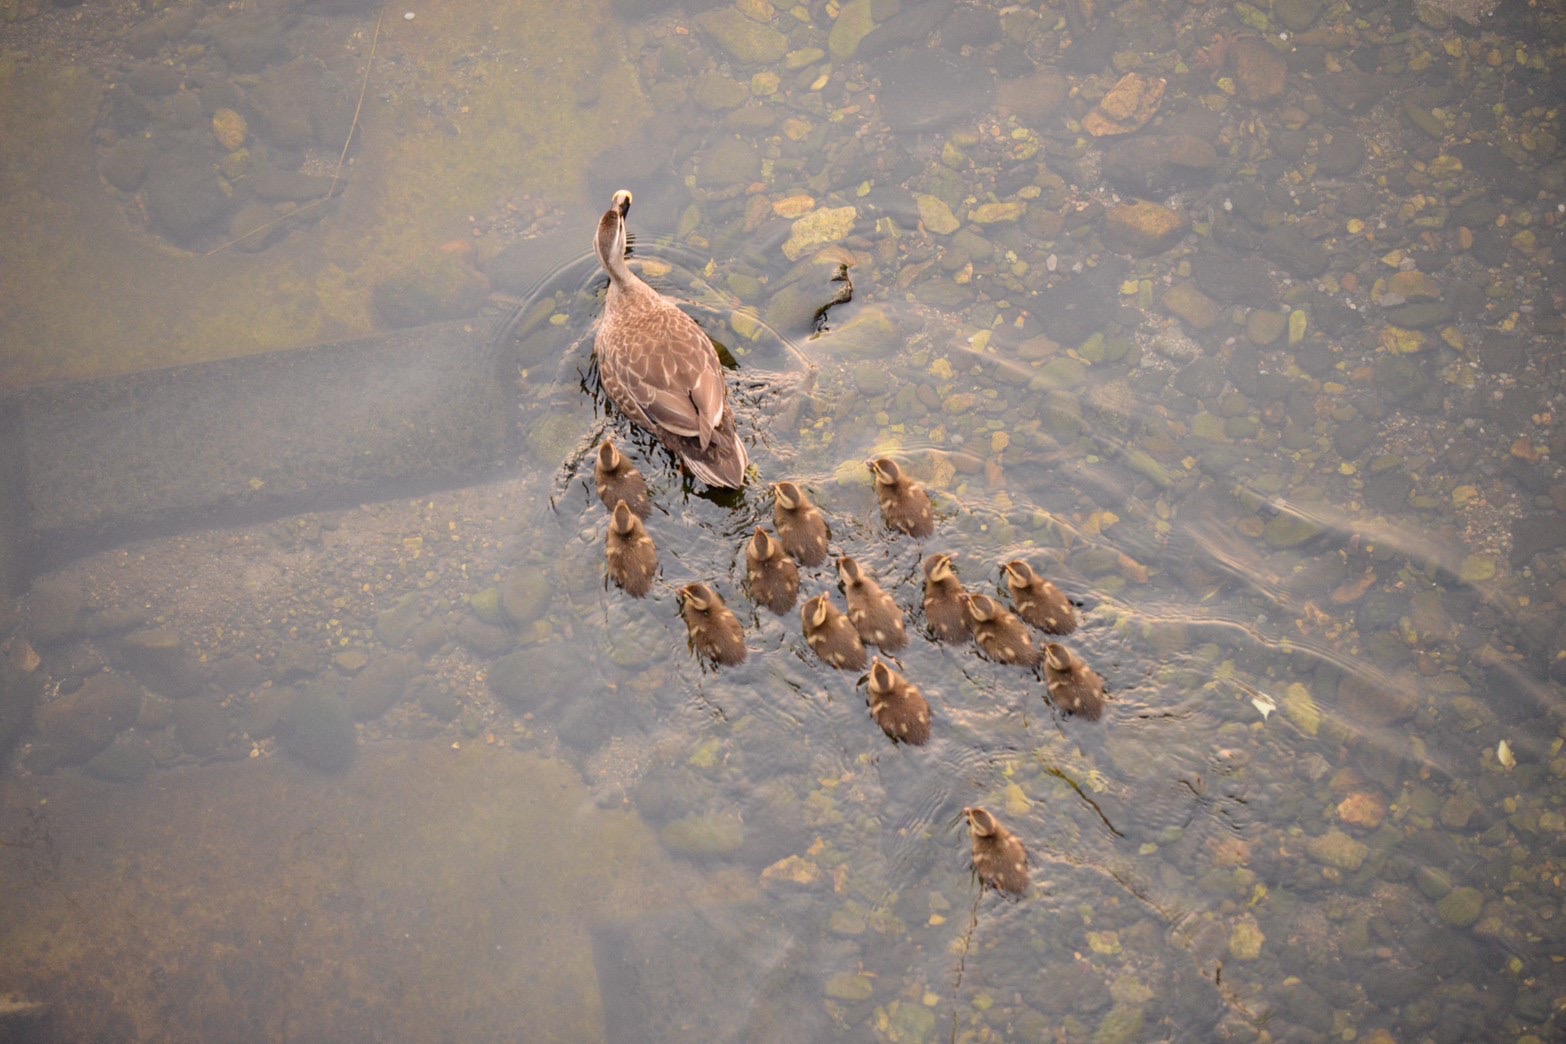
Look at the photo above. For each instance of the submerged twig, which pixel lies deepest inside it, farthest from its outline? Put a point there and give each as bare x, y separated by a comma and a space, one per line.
342, 158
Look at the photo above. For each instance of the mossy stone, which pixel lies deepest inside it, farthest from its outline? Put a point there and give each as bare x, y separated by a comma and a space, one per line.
854, 23
1461, 906
525, 594
704, 837
871, 334
1286, 531
1059, 373
854, 987
743, 38
393, 626
1337, 849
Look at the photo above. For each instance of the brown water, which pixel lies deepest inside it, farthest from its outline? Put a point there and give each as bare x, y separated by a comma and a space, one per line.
1298, 465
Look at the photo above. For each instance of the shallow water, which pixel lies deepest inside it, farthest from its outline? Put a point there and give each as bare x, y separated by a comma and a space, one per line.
1313, 531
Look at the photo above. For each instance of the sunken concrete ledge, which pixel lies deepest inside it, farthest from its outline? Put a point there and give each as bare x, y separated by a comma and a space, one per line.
91, 464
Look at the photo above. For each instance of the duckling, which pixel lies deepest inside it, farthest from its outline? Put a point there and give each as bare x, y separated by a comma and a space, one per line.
633, 557
715, 631
1038, 601
999, 859
618, 479
831, 635
799, 524
904, 503
875, 616
1075, 687
898, 706
943, 594
1000, 635
771, 576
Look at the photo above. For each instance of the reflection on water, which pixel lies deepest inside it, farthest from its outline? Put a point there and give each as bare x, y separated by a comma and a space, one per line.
1236, 324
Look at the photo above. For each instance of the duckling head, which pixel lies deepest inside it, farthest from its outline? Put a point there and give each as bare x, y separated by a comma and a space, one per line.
880, 677
788, 495
624, 521
762, 546
622, 201
848, 570
938, 567
981, 823
1059, 657
609, 458
981, 607
1018, 573
814, 612
886, 471
698, 596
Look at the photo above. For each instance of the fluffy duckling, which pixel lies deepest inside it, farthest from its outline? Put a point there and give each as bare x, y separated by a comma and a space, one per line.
1075, 687
618, 479
904, 503
999, 859
1000, 635
770, 575
898, 706
633, 557
943, 594
799, 524
715, 631
831, 635
875, 616
1038, 601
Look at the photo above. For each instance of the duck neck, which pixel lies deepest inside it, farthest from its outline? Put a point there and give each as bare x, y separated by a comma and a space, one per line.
610, 243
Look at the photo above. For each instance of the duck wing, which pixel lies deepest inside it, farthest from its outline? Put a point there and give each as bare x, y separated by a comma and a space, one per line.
674, 377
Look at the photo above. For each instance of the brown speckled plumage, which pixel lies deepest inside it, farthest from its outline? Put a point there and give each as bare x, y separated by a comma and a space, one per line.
898, 706
997, 631
660, 369
943, 607
1037, 600
771, 576
999, 859
905, 506
800, 527
715, 631
632, 555
617, 479
831, 635
1075, 687
874, 614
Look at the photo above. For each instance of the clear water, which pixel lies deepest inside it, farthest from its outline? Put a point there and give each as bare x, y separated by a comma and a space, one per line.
1316, 570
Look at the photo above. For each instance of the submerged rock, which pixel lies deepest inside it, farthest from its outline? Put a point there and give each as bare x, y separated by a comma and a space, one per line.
316, 729
1337, 849
745, 39
922, 91
1143, 229
704, 837
1461, 907
378, 688
75, 727
200, 726
126, 760
159, 660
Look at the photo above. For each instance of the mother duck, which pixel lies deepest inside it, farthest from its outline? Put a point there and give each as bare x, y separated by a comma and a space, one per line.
660, 369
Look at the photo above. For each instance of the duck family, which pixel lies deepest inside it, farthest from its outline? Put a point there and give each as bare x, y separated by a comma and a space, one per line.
663, 374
